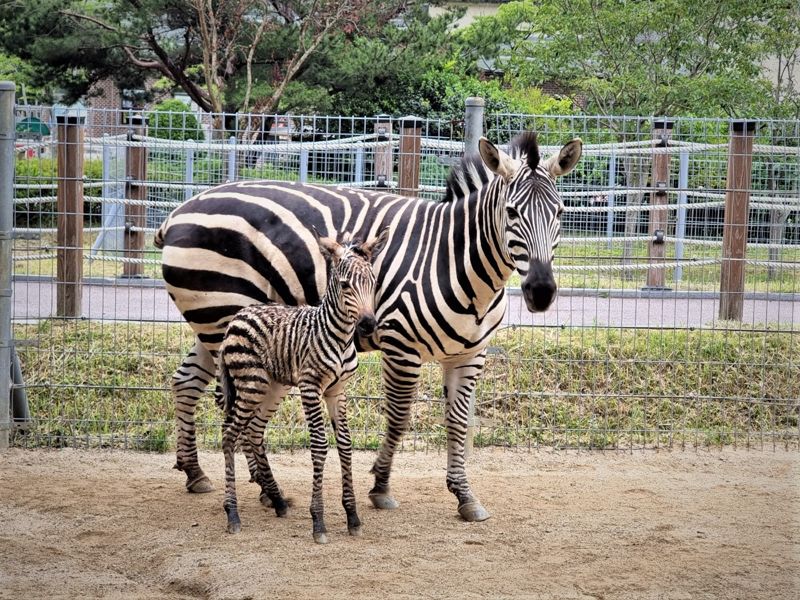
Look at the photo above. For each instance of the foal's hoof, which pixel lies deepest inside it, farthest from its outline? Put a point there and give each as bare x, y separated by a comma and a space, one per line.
234, 527
355, 531
473, 512
383, 501
200, 485
321, 538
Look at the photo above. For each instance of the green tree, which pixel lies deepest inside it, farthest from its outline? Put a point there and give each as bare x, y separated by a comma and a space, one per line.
217, 51
662, 57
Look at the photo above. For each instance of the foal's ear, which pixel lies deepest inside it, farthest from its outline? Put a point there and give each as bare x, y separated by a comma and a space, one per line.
372, 248
329, 247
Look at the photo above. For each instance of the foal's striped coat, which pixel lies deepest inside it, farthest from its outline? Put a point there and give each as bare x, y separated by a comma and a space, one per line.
269, 348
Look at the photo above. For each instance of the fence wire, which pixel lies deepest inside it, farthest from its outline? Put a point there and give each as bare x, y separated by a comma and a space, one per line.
617, 362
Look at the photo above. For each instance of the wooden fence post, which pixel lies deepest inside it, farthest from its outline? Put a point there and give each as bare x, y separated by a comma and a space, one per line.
410, 154
662, 131
737, 212
69, 237
136, 190
383, 153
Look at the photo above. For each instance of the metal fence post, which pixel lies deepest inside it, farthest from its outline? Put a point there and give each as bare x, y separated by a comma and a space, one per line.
69, 261
189, 191
612, 184
136, 191
232, 158
680, 225
410, 155
473, 130
358, 167
662, 131
737, 212
303, 175
7, 133
473, 123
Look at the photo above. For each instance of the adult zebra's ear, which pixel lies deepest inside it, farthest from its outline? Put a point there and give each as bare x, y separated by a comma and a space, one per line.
374, 247
562, 163
498, 161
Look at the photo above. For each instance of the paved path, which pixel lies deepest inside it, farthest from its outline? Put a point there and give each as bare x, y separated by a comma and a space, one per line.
147, 301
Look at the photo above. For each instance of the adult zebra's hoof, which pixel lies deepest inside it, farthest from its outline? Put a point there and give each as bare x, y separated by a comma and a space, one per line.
355, 531
383, 501
199, 485
473, 512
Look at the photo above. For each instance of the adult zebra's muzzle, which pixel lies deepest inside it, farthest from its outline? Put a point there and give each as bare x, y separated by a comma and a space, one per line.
366, 325
539, 287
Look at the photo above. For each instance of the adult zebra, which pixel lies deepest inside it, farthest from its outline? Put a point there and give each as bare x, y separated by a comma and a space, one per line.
440, 280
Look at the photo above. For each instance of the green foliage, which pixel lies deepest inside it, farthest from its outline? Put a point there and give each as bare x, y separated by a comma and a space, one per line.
172, 120
43, 171
662, 57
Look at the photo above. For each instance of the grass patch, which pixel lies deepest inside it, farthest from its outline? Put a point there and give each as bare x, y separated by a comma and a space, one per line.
107, 384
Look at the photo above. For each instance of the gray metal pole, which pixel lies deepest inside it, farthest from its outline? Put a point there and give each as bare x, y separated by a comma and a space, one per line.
232, 159
189, 174
680, 226
473, 130
7, 134
473, 123
612, 184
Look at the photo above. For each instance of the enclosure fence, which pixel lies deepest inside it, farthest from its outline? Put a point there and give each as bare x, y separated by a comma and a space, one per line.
676, 324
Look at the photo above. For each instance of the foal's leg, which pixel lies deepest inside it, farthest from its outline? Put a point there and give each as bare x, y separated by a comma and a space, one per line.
271, 496
310, 392
246, 405
337, 409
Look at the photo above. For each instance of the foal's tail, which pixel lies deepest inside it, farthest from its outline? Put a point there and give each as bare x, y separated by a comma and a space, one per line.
226, 386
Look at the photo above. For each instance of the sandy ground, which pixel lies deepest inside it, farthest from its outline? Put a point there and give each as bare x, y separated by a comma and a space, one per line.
668, 525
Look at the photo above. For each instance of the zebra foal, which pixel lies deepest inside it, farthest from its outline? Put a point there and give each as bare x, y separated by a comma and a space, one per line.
270, 347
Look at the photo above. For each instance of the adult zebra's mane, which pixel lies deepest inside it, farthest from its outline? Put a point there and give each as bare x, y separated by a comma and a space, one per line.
470, 175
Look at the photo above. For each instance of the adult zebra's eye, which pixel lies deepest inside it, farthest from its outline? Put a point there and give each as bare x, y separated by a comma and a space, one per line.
512, 212
345, 284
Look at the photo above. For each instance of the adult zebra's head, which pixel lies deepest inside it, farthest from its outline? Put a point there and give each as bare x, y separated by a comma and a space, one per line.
533, 210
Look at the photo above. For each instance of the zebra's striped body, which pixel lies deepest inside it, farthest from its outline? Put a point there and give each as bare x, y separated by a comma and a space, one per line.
440, 282
270, 347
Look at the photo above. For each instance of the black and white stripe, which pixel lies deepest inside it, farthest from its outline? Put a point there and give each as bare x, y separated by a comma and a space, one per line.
440, 282
268, 348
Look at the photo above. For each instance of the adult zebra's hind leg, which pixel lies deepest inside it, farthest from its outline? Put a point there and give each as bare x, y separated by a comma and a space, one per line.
400, 378
459, 383
188, 385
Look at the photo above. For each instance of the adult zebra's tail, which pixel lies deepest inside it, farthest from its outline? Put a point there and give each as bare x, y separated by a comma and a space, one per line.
158, 238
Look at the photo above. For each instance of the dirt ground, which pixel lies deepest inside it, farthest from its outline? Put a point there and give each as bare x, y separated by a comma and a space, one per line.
666, 525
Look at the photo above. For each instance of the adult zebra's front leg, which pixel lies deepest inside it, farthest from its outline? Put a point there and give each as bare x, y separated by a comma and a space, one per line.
459, 384
400, 379
188, 385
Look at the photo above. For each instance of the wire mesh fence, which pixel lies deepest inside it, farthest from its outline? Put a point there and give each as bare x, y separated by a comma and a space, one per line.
640, 349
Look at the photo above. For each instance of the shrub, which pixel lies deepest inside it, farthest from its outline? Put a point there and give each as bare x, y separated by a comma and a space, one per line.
173, 120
